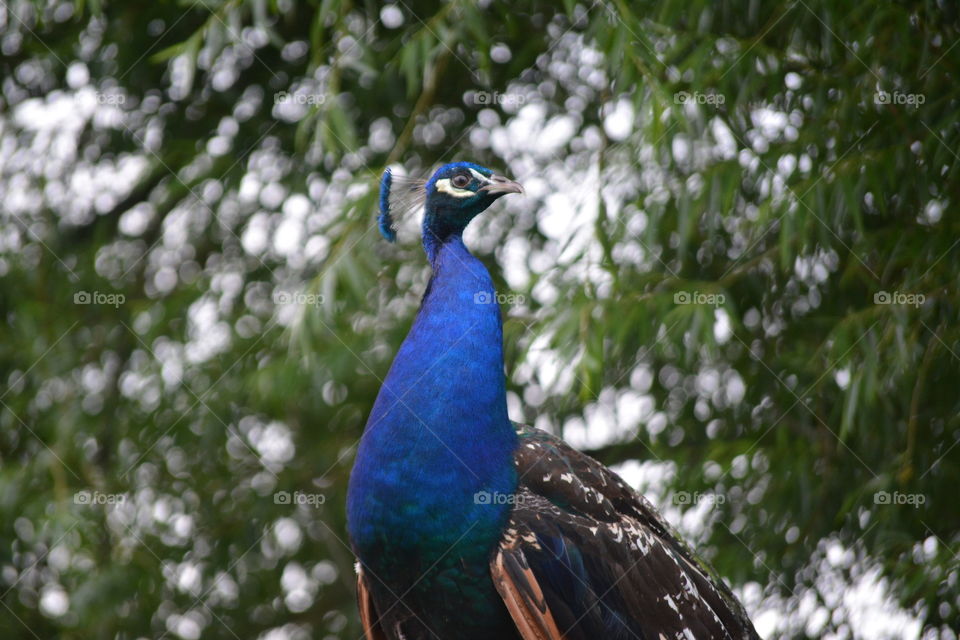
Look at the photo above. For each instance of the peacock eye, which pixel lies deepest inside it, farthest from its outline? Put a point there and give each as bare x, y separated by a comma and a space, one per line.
460, 181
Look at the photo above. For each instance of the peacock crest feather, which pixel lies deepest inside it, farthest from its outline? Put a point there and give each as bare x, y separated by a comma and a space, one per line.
400, 196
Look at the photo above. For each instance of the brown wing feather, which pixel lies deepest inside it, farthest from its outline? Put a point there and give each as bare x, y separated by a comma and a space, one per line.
368, 614
579, 528
522, 594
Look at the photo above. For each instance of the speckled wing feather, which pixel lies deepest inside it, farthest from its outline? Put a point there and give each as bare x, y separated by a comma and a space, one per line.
589, 554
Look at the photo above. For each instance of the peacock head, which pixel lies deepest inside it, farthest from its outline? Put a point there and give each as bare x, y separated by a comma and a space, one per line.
455, 194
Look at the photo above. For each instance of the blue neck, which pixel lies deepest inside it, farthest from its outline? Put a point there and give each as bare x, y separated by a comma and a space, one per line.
439, 229
439, 432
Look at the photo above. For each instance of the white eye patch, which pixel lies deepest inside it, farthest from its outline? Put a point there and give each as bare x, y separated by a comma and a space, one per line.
445, 186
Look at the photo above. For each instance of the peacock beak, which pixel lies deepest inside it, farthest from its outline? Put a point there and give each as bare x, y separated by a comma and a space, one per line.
500, 185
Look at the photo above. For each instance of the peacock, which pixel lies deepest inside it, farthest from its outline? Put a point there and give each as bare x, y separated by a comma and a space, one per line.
469, 526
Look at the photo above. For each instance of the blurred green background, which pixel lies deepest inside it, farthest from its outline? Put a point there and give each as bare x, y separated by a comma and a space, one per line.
734, 276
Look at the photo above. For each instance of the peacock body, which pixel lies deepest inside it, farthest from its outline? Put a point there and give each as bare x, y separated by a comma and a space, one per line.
469, 526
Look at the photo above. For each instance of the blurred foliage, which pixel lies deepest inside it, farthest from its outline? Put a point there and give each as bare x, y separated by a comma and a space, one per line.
788, 168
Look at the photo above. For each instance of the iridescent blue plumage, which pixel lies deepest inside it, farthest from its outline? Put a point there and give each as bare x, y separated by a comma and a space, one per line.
439, 433
468, 526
